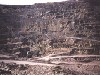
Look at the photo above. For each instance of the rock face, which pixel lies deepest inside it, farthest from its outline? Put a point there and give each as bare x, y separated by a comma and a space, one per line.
71, 26
50, 38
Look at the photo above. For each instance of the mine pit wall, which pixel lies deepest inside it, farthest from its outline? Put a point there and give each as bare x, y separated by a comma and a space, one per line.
71, 25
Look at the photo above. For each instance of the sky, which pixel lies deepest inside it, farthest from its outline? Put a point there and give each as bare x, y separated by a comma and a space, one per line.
26, 2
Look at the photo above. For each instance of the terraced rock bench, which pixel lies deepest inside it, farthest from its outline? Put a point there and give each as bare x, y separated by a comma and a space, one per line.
76, 58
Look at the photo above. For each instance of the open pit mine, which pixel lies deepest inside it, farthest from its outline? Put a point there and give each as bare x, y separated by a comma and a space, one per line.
59, 38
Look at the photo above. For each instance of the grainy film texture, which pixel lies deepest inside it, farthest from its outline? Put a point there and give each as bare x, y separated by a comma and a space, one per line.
60, 38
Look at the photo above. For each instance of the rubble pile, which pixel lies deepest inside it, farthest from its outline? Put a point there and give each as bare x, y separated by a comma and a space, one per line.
79, 69
12, 69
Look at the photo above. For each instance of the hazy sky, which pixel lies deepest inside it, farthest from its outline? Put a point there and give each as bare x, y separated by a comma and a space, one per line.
26, 2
